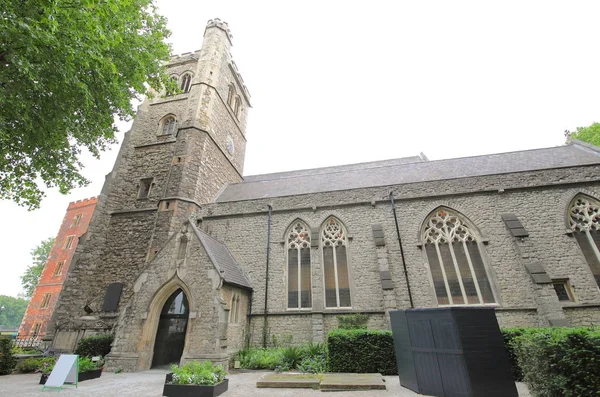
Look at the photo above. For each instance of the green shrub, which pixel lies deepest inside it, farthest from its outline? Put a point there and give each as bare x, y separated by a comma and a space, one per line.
7, 359
313, 364
361, 351
291, 357
315, 349
198, 373
95, 345
47, 364
560, 362
260, 358
29, 365
353, 321
86, 364
509, 335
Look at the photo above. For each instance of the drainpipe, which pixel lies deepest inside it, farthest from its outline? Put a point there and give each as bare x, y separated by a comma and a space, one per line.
401, 249
267, 276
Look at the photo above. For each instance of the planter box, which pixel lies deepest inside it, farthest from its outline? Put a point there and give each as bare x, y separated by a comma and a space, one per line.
87, 375
171, 390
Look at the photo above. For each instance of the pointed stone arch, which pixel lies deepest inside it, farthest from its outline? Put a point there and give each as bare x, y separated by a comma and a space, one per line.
583, 215
334, 243
458, 269
157, 302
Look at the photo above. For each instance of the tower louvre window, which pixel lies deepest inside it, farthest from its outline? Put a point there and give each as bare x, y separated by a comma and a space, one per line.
77, 219
145, 186
69, 242
455, 260
335, 264
186, 82
584, 220
45, 301
168, 125
58, 269
299, 268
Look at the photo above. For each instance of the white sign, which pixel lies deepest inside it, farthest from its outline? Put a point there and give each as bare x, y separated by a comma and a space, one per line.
66, 370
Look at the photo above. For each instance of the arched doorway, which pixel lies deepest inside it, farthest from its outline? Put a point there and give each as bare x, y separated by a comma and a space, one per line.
170, 336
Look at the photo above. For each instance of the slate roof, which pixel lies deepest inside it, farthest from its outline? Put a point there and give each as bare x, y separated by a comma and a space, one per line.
405, 170
225, 263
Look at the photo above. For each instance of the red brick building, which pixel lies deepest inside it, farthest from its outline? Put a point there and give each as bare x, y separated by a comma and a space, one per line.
40, 308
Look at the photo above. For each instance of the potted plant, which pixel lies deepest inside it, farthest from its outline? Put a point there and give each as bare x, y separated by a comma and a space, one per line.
88, 369
196, 379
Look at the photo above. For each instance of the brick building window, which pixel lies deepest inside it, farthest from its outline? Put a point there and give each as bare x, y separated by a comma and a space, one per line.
69, 242
77, 219
145, 186
45, 301
455, 259
584, 220
58, 269
186, 82
335, 264
298, 266
35, 330
234, 311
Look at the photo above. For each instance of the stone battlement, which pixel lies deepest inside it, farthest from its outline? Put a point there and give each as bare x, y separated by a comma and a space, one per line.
217, 23
82, 202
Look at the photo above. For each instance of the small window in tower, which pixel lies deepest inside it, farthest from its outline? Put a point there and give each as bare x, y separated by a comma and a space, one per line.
58, 269
169, 92
145, 186
168, 126
69, 242
231, 95
77, 219
237, 107
45, 301
563, 290
36, 329
186, 82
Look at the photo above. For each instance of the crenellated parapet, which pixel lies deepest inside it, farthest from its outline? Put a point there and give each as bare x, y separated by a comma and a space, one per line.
217, 23
82, 203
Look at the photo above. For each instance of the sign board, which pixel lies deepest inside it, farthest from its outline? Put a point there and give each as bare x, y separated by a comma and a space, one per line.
66, 370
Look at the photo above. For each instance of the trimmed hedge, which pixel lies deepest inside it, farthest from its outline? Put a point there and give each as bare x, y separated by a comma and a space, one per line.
361, 351
556, 362
7, 359
95, 345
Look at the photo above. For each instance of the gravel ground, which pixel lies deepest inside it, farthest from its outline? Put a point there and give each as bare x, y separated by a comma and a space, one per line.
150, 383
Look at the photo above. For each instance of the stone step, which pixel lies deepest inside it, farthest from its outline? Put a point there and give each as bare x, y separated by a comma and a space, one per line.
340, 381
302, 381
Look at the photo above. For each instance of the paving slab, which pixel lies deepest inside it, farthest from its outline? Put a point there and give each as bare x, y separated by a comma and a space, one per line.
300, 381
348, 382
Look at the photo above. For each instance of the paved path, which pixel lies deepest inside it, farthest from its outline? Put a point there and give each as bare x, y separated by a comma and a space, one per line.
150, 383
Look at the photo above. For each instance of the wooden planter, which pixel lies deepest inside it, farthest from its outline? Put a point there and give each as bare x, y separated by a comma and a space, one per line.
87, 375
171, 390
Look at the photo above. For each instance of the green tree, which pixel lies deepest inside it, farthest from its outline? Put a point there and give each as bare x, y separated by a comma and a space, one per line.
12, 311
39, 256
589, 134
68, 68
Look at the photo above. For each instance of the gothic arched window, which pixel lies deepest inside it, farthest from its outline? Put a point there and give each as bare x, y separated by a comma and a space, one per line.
455, 260
234, 311
168, 125
584, 220
298, 274
173, 78
237, 106
335, 264
186, 82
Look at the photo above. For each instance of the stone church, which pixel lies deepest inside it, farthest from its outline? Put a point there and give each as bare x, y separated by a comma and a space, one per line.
186, 258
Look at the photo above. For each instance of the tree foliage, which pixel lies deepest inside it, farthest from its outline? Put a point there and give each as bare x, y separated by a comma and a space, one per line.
589, 134
67, 68
13, 312
39, 256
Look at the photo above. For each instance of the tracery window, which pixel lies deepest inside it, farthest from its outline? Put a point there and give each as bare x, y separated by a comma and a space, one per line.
584, 220
335, 264
168, 125
298, 258
455, 260
186, 82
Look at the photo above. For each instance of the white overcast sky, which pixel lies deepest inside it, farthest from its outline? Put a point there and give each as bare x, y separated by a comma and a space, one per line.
337, 82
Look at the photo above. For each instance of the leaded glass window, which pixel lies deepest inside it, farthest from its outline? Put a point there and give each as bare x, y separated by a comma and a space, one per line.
584, 220
168, 126
186, 82
455, 260
298, 255
335, 264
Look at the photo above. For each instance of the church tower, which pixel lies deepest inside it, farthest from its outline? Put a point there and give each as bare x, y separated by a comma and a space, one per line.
182, 149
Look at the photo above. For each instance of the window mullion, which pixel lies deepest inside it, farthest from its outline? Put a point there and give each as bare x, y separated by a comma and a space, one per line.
439, 254
458, 275
335, 272
473, 275
299, 279
593, 244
